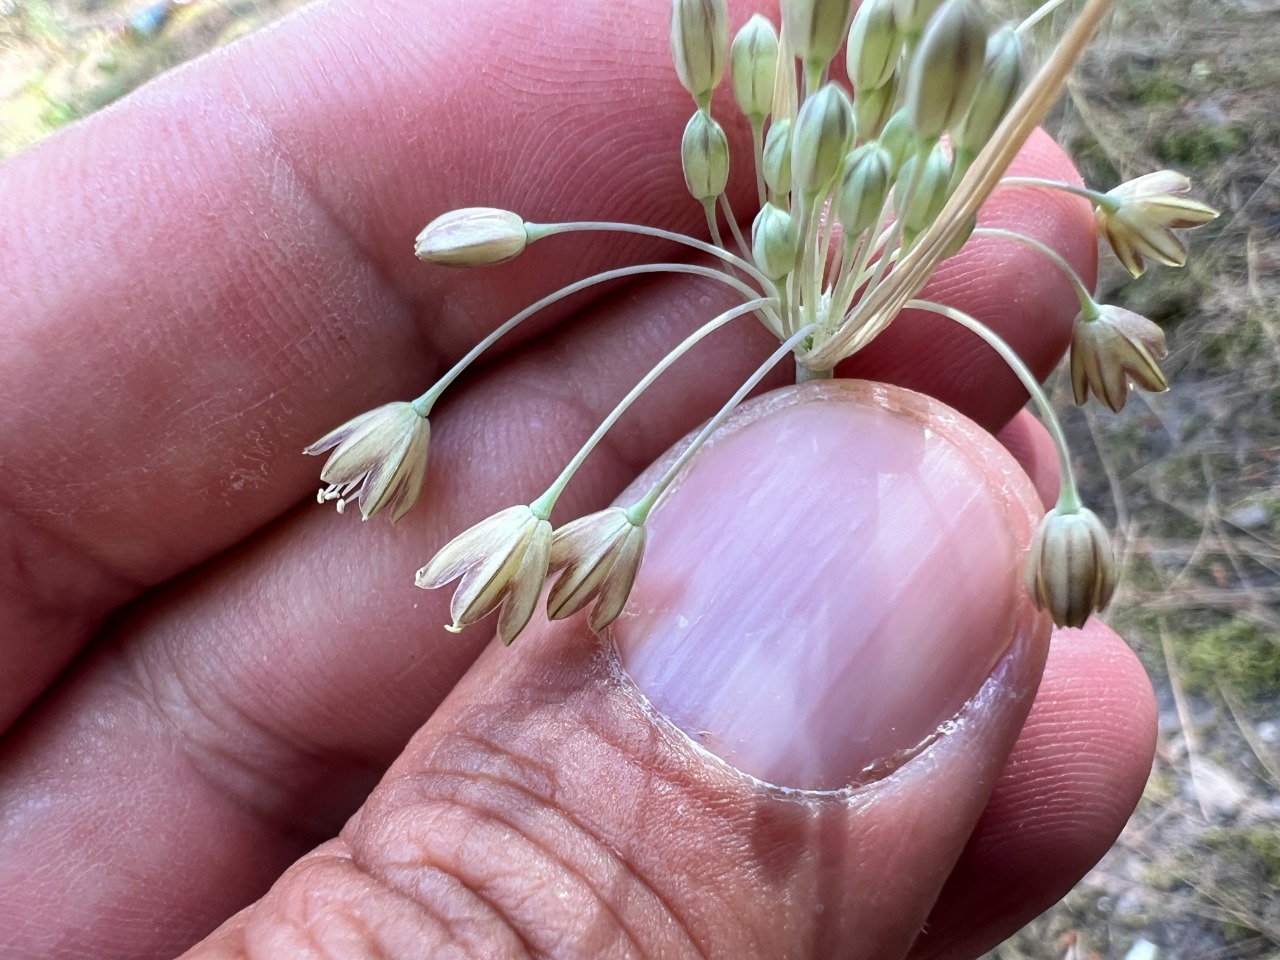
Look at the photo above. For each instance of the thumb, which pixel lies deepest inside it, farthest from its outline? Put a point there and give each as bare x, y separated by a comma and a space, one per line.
826, 658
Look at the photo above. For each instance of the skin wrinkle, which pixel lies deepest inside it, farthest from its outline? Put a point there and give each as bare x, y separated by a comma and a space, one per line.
442, 788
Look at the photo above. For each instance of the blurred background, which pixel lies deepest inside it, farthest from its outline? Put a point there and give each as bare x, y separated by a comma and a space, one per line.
1190, 478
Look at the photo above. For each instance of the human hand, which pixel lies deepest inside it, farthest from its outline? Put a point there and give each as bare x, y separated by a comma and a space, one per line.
204, 681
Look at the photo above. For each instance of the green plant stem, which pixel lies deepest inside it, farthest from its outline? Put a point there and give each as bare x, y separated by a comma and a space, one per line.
744, 248
537, 231
543, 505
425, 402
1094, 196
638, 512
1087, 304
757, 147
1069, 497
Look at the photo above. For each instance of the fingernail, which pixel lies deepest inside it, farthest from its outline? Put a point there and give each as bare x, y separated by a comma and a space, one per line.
830, 583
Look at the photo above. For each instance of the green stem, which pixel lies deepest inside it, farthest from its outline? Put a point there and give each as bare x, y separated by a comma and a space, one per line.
1069, 498
425, 402
639, 511
1087, 304
1100, 199
743, 247
757, 147
537, 231
543, 505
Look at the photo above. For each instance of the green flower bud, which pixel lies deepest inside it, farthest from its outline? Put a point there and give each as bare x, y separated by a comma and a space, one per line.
912, 15
1071, 568
816, 28
945, 69
775, 242
863, 188
998, 87
777, 157
874, 46
753, 64
704, 154
919, 207
700, 45
872, 109
823, 135
899, 138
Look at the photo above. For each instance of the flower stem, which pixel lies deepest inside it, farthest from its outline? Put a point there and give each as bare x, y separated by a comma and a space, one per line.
638, 512
425, 402
1082, 292
537, 231
1069, 498
543, 505
1094, 196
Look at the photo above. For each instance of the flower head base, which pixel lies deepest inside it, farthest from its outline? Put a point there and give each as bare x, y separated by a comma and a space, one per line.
381, 458
599, 556
1113, 348
501, 560
1141, 216
1071, 569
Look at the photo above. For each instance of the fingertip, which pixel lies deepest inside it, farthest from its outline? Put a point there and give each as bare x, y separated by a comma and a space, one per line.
1027, 439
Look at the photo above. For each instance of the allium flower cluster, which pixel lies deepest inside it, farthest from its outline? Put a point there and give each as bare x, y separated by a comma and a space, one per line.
861, 190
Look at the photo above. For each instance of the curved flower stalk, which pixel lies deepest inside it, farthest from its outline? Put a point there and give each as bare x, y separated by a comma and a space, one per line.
861, 191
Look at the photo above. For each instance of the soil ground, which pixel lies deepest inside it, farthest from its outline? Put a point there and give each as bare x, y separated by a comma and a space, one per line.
1194, 475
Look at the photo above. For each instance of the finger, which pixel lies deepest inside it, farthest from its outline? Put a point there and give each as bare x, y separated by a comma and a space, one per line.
202, 280
1026, 438
1068, 788
275, 684
866, 595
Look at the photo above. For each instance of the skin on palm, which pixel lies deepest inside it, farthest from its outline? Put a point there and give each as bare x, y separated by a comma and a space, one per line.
229, 273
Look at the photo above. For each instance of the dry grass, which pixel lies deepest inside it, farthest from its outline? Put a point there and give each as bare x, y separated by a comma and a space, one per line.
1193, 475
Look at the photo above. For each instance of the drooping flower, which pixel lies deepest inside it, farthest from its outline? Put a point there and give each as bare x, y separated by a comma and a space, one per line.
1071, 568
1142, 215
501, 560
598, 557
380, 459
1113, 348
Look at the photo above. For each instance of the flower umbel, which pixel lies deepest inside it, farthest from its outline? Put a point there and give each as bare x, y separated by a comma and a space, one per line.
1112, 348
381, 458
1138, 219
867, 154
1071, 570
598, 557
501, 560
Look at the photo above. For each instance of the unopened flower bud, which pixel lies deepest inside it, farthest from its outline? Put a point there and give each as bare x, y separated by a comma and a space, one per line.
753, 64
700, 45
471, 237
704, 153
816, 28
918, 199
872, 109
774, 241
776, 161
823, 134
1140, 216
912, 15
1113, 348
1071, 568
998, 87
945, 68
899, 139
863, 189
874, 46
